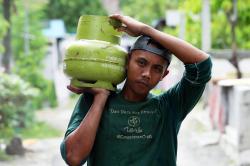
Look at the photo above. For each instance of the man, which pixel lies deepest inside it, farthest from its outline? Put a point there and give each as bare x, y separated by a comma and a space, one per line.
132, 127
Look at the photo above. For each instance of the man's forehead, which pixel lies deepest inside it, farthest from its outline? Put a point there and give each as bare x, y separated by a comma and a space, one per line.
148, 44
149, 56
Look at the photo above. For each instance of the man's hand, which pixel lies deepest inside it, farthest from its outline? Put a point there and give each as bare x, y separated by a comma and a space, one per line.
94, 91
130, 25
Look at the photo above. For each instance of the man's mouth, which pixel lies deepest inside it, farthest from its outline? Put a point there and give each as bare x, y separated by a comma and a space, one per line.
144, 83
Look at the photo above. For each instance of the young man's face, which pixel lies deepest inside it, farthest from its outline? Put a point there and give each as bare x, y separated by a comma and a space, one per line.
144, 71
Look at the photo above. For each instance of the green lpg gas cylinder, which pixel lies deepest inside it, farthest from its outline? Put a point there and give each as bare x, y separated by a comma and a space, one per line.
95, 59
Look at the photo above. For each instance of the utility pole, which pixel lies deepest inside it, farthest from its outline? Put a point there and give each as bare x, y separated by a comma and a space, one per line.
182, 26
206, 26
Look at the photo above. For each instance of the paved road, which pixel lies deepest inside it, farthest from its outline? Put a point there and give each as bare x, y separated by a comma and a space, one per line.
40, 153
198, 144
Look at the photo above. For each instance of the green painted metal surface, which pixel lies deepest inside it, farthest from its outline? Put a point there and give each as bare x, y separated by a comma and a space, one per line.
95, 59
98, 28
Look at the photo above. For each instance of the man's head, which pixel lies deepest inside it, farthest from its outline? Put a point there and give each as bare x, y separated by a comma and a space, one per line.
147, 65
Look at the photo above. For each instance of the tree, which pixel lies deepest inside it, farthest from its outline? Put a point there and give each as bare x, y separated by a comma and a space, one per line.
70, 11
29, 64
25, 89
230, 25
3, 29
148, 11
222, 27
221, 30
6, 60
232, 19
15, 97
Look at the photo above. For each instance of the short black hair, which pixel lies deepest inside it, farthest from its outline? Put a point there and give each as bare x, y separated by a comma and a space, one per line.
148, 44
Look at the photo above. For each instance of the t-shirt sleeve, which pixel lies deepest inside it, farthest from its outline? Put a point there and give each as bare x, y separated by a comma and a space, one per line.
187, 92
78, 114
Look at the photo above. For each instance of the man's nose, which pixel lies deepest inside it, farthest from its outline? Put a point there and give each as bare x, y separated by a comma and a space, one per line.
146, 73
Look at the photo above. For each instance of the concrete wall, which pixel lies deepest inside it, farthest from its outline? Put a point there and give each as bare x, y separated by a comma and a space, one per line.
235, 140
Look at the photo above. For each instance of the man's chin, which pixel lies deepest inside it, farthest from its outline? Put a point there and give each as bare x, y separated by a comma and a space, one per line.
142, 92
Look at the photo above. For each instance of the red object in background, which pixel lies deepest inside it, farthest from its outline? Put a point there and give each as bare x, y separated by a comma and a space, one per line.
217, 109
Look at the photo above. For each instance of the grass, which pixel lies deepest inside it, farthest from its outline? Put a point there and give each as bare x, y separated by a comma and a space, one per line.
4, 156
37, 130
40, 130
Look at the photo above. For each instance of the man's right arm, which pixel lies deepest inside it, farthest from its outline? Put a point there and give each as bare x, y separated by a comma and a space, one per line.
79, 143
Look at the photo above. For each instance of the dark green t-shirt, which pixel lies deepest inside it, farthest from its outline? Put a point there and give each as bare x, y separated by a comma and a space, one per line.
142, 133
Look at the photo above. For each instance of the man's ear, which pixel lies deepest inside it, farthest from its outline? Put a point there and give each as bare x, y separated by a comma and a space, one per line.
164, 74
127, 61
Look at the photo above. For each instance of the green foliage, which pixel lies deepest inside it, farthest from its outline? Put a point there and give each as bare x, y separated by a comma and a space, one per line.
243, 26
4, 156
147, 11
192, 9
221, 37
70, 11
191, 6
40, 130
221, 29
6, 133
16, 114
26, 66
172, 31
14, 107
29, 65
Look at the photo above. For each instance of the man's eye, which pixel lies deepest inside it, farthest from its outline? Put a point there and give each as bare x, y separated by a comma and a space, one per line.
141, 62
158, 69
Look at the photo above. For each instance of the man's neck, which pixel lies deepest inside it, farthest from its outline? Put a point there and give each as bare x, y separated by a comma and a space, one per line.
129, 95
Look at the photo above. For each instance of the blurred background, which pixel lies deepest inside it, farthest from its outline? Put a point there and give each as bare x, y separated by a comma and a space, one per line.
35, 105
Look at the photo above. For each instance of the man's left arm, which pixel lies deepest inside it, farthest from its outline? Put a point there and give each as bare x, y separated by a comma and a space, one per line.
183, 50
185, 95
